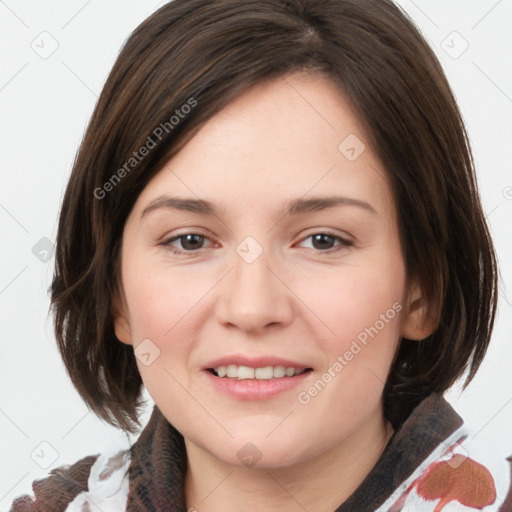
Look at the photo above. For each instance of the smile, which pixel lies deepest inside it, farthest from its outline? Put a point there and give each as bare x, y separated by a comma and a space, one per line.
233, 371
255, 382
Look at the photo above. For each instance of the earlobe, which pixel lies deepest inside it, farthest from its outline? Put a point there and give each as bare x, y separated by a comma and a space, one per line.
122, 330
417, 323
121, 324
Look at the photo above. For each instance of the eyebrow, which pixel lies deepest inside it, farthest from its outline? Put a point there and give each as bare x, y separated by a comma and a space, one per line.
294, 207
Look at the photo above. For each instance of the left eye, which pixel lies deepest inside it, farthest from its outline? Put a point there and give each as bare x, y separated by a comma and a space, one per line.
324, 241
191, 242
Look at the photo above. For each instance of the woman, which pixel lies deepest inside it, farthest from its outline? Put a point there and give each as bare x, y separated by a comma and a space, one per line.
273, 224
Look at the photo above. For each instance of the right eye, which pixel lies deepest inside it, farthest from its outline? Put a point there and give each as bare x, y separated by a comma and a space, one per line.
190, 242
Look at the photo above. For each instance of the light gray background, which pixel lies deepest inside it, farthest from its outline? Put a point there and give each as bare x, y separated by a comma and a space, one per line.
46, 100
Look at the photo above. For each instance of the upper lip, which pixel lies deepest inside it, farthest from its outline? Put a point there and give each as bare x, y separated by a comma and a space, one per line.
255, 362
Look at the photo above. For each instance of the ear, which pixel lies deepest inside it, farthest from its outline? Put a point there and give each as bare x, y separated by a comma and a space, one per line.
418, 322
121, 324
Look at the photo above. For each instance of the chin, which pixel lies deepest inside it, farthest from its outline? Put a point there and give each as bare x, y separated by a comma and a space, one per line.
259, 454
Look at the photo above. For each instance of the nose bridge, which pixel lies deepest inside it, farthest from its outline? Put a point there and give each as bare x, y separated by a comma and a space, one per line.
252, 295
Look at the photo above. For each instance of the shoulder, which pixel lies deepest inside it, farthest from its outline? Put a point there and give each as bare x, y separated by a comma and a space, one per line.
101, 480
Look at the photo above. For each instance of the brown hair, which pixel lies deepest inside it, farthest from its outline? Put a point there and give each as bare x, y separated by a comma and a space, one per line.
203, 53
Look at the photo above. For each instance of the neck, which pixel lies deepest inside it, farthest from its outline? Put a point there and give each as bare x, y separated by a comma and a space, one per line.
321, 483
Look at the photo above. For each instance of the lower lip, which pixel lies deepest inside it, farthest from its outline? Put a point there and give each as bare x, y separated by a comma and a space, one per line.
252, 389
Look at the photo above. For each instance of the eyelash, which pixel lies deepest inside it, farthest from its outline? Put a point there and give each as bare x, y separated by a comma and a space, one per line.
343, 242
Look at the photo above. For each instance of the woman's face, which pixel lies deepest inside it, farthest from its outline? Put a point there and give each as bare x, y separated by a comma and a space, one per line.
269, 242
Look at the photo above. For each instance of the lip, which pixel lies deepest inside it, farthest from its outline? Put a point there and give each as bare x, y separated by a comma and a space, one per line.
253, 389
255, 362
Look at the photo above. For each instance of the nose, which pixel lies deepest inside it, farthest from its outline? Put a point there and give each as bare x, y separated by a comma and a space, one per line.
254, 296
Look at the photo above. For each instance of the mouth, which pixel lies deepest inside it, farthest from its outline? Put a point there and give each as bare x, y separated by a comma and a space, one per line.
255, 377
239, 372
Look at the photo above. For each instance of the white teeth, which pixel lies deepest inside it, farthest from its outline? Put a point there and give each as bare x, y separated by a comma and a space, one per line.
233, 371
279, 371
264, 373
244, 372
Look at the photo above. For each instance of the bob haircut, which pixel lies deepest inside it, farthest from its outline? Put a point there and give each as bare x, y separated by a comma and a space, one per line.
186, 62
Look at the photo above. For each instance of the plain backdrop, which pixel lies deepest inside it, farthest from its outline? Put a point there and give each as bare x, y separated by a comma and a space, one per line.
54, 60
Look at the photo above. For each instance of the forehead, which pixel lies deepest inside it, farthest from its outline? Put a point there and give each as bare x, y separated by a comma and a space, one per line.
285, 138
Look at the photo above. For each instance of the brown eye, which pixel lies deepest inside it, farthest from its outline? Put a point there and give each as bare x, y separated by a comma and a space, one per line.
189, 242
323, 241
326, 241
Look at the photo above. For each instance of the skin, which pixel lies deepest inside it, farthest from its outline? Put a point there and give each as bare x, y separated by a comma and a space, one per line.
298, 300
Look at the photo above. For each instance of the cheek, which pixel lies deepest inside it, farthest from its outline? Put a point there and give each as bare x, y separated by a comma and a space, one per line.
162, 311
152, 309
356, 299
361, 306
166, 306
160, 298
364, 310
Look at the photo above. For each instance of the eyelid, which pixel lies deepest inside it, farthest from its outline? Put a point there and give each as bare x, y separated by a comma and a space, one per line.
328, 231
